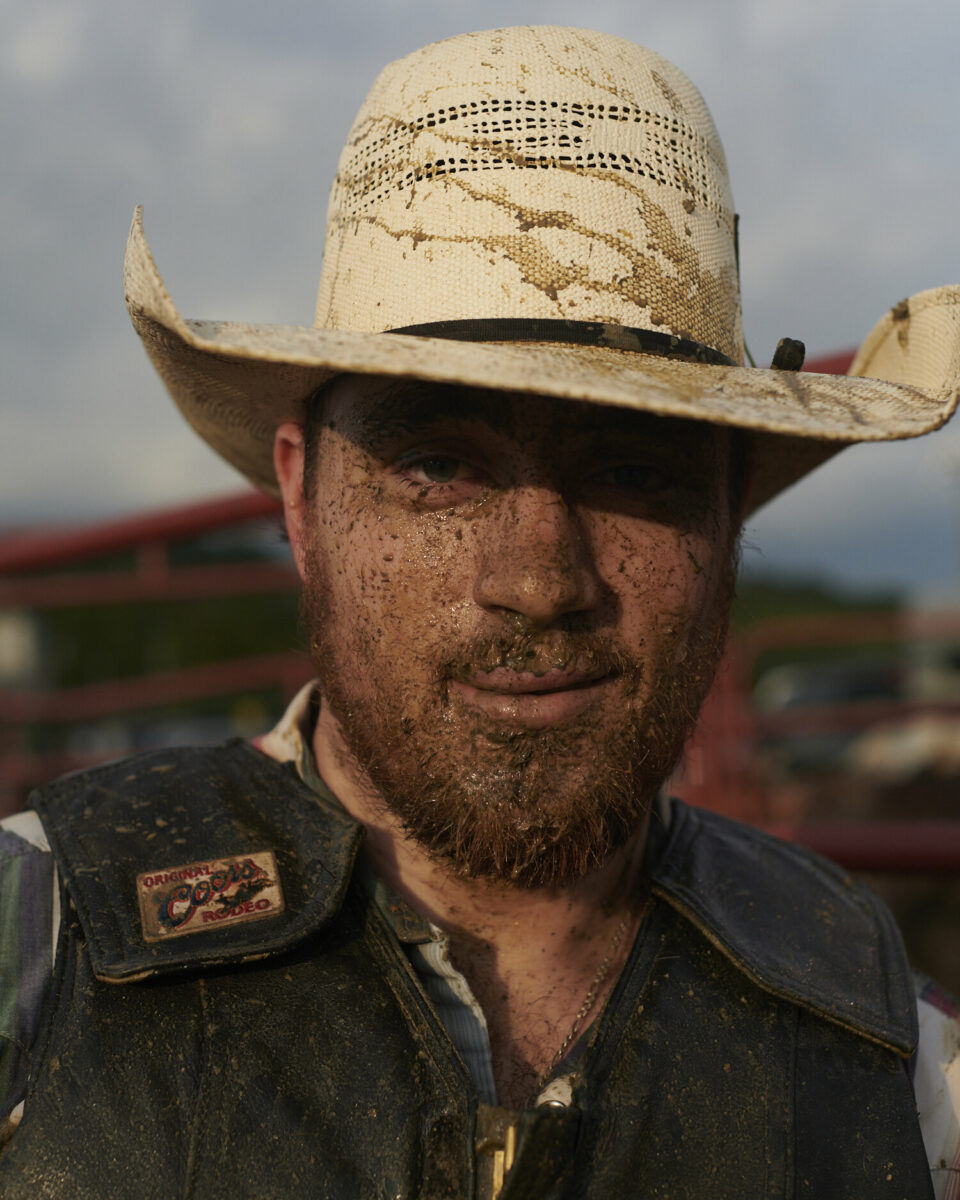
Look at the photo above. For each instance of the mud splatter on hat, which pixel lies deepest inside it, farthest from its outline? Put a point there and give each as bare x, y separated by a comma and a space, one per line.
542, 210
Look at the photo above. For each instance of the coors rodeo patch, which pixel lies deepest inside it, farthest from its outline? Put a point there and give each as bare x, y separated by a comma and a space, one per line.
208, 895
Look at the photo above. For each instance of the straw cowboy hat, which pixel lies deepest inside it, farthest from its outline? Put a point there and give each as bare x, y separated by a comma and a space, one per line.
542, 210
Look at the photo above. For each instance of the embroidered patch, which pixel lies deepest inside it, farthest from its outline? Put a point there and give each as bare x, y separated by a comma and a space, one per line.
208, 895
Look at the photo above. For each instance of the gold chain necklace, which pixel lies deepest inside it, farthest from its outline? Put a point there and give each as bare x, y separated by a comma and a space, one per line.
590, 998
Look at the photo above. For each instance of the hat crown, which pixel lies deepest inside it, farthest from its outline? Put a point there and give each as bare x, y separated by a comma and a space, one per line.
533, 172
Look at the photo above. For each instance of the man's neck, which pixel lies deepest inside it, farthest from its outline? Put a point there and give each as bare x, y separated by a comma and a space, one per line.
530, 955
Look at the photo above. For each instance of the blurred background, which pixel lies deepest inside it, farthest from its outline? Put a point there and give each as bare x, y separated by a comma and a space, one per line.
146, 596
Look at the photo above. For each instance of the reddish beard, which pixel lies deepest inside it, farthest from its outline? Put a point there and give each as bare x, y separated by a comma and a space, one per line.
538, 808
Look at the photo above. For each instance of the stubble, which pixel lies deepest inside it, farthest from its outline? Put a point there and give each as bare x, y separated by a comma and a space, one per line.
494, 800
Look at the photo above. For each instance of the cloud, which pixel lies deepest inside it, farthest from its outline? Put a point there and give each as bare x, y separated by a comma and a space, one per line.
875, 516
45, 46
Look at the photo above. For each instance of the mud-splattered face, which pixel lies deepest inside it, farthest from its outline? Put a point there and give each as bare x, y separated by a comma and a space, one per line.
516, 605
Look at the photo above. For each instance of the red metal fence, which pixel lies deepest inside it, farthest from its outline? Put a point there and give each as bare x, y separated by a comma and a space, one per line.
59, 569
722, 766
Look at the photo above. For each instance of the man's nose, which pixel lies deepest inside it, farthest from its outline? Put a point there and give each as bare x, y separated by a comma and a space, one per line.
536, 559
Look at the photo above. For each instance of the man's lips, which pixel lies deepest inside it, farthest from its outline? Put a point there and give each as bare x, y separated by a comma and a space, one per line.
522, 683
534, 700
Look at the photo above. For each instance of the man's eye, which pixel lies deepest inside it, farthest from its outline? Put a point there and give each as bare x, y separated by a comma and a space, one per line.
438, 468
634, 477
436, 477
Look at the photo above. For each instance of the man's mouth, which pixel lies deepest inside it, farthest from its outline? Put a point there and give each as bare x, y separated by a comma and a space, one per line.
536, 701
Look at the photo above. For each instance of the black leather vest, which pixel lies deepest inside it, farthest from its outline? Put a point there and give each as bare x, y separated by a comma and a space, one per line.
755, 1046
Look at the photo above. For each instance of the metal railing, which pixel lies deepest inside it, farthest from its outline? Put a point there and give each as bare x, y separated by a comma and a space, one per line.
59, 569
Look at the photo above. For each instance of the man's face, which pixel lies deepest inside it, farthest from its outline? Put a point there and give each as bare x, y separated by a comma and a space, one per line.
515, 605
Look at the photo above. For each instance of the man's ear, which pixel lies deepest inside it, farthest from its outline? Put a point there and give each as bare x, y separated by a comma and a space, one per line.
288, 464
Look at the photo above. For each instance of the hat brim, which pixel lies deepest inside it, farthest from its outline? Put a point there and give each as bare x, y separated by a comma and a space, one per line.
235, 383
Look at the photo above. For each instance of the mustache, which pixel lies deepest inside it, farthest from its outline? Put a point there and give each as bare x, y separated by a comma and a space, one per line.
539, 653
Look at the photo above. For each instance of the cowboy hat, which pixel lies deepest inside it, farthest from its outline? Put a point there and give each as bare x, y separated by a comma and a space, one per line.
542, 210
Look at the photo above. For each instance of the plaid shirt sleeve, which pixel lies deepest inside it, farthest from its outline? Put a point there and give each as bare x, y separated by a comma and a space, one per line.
937, 1085
29, 919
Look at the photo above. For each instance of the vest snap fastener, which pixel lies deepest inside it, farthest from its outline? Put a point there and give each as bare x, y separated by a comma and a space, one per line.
558, 1093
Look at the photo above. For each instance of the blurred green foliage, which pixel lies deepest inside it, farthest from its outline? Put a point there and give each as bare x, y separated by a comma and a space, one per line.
83, 645
761, 598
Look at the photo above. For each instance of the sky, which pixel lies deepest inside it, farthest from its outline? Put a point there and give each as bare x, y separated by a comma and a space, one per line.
225, 119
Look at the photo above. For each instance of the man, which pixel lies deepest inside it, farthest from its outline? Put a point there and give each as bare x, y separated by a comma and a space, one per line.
516, 522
